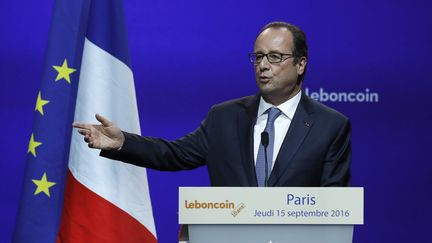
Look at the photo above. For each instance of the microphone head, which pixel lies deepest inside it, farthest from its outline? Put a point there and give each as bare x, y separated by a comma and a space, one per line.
265, 139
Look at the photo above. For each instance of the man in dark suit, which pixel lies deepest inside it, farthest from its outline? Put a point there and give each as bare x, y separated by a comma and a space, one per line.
307, 143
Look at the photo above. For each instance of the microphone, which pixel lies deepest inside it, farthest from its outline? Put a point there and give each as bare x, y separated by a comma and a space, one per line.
265, 143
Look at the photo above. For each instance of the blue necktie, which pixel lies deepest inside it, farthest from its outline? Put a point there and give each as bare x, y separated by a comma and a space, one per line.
273, 113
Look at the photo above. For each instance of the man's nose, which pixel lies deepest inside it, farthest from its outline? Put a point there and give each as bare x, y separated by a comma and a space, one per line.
264, 64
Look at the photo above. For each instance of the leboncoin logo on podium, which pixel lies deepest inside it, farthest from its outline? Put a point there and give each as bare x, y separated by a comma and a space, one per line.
209, 205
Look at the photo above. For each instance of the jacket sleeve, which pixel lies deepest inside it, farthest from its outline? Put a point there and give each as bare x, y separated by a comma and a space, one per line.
186, 153
336, 169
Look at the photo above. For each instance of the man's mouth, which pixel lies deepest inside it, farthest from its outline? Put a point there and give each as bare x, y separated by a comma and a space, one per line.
264, 79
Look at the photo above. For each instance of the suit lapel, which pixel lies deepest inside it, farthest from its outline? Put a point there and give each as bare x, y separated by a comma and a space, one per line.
299, 128
246, 120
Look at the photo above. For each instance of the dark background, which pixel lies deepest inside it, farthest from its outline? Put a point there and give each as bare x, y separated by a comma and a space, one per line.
189, 55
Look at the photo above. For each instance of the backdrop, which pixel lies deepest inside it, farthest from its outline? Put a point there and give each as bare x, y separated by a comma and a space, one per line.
368, 59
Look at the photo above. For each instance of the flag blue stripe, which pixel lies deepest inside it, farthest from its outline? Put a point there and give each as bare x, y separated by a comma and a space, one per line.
106, 18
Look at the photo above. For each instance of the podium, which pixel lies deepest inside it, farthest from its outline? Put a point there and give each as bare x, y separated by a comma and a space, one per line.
270, 215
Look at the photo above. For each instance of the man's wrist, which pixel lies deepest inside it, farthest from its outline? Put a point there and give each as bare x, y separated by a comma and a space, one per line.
122, 139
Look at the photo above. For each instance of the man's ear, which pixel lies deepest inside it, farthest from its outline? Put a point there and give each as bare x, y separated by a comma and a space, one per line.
301, 65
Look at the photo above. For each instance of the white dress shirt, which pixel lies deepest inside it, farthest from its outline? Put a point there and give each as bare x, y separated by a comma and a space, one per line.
281, 124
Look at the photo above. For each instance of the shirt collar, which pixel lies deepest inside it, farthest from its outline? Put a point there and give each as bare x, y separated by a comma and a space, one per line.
288, 108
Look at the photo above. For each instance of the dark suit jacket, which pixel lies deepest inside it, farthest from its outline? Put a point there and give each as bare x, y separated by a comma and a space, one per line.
316, 150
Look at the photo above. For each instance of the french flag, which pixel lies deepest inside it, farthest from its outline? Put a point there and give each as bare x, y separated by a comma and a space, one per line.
85, 197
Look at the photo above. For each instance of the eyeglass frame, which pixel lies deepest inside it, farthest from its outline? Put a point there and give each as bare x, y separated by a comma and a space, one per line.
290, 55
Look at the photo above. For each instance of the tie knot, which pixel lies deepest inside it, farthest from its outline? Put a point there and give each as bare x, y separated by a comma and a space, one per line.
273, 113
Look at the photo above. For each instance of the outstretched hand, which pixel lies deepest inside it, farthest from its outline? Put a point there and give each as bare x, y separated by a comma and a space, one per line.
106, 136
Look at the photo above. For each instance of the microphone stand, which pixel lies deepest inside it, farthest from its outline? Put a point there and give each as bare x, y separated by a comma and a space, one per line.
265, 143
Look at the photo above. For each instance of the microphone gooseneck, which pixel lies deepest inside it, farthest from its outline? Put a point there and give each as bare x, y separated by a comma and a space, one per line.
265, 143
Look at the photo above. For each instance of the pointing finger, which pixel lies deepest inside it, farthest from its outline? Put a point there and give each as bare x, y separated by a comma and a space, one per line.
81, 125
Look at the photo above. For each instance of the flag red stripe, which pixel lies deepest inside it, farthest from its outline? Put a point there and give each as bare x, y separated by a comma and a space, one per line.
87, 217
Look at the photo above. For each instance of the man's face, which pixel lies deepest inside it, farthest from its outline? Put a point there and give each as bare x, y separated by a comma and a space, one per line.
277, 82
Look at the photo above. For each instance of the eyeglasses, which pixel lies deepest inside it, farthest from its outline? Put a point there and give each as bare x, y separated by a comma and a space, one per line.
273, 57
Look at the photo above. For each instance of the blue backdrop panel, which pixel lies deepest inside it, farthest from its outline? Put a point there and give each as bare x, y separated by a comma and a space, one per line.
188, 55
